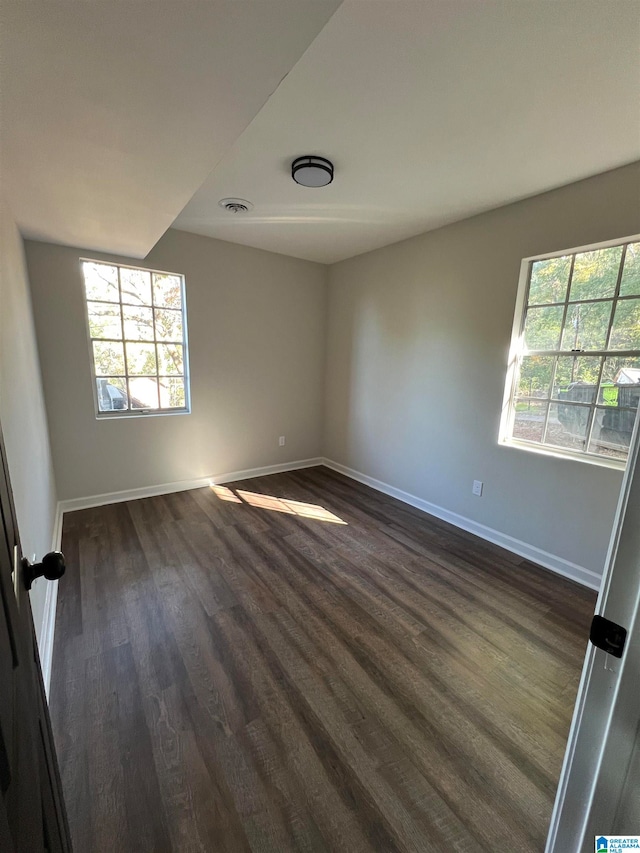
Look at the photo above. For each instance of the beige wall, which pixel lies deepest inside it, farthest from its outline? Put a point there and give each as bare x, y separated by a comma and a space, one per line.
418, 337
22, 411
256, 323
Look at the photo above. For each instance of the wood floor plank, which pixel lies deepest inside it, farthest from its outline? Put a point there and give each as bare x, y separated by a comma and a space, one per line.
446, 738
232, 674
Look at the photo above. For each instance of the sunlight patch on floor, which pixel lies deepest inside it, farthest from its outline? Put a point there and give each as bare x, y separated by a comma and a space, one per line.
270, 502
225, 494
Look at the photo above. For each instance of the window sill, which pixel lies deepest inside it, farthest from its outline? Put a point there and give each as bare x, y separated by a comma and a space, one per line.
142, 414
557, 453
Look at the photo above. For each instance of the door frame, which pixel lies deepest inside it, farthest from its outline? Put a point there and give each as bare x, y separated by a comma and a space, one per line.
590, 787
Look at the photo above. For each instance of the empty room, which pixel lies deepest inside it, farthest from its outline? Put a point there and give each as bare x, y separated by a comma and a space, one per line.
319, 374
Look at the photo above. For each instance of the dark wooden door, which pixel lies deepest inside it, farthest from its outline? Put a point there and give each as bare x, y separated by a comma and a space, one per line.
32, 816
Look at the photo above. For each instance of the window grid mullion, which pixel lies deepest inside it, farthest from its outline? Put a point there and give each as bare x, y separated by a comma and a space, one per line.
134, 341
591, 353
155, 343
546, 418
555, 363
124, 344
537, 305
602, 354
525, 398
614, 303
595, 403
155, 335
566, 303
154, 308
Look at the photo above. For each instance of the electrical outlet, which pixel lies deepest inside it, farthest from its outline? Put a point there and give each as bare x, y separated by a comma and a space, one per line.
282, 441
477, 488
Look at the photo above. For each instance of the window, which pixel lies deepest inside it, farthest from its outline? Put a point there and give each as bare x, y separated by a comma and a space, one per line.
138, 338
574, 377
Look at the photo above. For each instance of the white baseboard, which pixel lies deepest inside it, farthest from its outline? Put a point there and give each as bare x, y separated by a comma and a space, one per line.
90, 501
563, 567
184, 485
282, 468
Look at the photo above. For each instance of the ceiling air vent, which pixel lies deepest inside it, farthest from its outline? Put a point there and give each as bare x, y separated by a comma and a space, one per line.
235, 205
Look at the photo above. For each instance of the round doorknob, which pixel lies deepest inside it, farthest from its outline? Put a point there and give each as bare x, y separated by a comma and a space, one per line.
52, 568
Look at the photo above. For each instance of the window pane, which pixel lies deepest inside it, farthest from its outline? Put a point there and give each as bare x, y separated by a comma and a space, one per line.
108, 358
138, 323
625, 333
630, 284
112, 394
168, 325
611, 434
167, 292
136, 286
141, 359
144, 393
576, 378
170, 359
595, 274
542, 328
535, 376
567, 426
567, 395
137, 330
104, 320
172, 394
101, 281
529, 420
549, 280
586, 326
620, 382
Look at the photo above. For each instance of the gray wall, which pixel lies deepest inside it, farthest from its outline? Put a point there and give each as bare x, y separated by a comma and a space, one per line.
22, 411
417, 347
256, 323
415, 344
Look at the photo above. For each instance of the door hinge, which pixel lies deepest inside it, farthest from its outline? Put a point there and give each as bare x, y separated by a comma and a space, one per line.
608, 636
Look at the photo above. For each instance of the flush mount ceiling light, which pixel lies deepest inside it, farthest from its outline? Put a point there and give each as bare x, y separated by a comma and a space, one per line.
235, 205
312, 171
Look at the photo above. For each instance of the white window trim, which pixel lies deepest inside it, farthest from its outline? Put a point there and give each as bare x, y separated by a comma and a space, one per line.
135, 413
507, 414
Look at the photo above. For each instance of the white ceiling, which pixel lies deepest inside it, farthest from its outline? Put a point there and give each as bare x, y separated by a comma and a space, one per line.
121, 117
432, 111
113, 112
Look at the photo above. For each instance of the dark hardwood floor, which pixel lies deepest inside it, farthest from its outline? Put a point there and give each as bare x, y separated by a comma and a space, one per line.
234, 674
